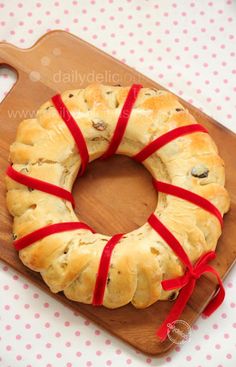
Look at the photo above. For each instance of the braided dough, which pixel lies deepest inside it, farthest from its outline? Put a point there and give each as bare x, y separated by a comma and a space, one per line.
68, 262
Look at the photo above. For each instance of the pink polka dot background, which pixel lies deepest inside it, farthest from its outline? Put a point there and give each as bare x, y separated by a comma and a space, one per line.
190, 48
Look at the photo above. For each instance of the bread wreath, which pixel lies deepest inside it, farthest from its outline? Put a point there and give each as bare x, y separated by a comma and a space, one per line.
46, 150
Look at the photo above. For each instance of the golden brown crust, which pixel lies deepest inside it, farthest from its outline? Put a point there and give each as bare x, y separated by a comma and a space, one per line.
44, 148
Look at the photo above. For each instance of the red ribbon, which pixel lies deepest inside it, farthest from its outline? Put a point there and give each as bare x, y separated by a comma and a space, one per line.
103, 268
40, 233
37, 184
190, 196
74, 129
167, 138
122, 121
192, 273
188, 280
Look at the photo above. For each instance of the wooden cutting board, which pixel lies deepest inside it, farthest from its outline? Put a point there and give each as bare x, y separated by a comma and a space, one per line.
60, 61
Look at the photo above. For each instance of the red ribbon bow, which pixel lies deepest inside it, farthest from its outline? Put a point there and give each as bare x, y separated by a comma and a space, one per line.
188, 281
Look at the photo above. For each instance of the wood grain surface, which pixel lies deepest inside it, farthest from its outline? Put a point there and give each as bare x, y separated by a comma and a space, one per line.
113, 196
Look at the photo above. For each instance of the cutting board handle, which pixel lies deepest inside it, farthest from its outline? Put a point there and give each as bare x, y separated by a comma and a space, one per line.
8, 55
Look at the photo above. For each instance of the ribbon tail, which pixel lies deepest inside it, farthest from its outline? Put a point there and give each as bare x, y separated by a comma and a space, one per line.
177, 309
218, 297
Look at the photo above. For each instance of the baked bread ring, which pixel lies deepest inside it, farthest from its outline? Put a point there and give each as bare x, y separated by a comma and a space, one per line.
45, 149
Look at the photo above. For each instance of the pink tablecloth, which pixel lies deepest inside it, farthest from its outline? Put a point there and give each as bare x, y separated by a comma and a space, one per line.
190, 48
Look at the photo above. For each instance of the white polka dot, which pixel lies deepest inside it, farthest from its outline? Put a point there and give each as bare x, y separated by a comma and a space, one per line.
45, 61
34, 76
56, 51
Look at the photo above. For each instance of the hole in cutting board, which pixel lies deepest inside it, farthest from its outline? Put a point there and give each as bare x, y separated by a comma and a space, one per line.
115, 195
8, 78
